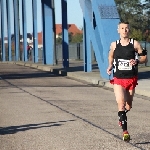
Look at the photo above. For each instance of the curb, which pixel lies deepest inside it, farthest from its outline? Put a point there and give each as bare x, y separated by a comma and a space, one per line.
60, 71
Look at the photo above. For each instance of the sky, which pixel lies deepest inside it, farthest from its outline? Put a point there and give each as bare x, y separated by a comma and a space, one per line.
75, 15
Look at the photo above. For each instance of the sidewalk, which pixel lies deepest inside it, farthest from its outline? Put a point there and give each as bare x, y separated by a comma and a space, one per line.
76, 71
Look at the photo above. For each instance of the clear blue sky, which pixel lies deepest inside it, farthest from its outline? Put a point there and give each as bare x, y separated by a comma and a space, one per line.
75, 15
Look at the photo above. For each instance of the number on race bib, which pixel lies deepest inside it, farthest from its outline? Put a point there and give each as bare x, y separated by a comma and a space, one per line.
124, 64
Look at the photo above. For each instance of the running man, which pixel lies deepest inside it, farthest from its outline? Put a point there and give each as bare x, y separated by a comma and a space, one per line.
123, 59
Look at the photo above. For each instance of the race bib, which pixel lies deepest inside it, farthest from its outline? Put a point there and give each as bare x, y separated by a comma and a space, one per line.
124, 64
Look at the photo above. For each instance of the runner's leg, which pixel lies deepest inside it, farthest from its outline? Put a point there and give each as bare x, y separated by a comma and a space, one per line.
129, 99
121, 94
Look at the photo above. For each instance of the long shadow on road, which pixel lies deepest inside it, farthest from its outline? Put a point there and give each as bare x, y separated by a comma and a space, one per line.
144, 73
15, 129
27, 75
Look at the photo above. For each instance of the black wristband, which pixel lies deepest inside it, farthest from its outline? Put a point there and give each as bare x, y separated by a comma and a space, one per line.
137, 61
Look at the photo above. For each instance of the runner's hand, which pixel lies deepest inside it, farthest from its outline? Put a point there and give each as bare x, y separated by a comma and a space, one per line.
133, 62
109, 70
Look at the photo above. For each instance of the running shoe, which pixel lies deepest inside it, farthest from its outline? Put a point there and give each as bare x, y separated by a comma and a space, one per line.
126, 136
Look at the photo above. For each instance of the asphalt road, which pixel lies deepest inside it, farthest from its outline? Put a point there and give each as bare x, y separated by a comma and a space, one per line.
42, 111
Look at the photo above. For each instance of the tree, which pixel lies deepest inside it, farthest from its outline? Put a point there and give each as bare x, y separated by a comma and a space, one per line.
136, 34
70, 36
133, 12
146, 6
59, 39
130, 11
77, 38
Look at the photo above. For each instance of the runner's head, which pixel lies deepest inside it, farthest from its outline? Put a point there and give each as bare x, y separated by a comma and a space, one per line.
123, 29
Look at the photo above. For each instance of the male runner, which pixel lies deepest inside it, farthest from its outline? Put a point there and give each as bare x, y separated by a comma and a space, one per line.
123, 59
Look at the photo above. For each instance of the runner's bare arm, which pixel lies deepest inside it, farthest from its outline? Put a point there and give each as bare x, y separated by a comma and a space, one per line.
111, 54
143, 57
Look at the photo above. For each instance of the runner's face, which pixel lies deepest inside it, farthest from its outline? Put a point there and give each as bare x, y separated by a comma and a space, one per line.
123, 30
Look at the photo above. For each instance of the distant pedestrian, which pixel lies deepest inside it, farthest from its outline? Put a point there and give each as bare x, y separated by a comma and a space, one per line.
29, 48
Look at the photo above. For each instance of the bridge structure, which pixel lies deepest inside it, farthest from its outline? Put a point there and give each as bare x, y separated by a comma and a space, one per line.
100, 19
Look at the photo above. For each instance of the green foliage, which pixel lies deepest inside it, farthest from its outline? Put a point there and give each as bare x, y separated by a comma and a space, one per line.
70, 36
137, 34
59, 39
148, 39
77, 38
137, 13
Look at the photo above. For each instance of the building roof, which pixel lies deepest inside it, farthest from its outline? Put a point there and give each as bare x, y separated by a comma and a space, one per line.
72, 28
